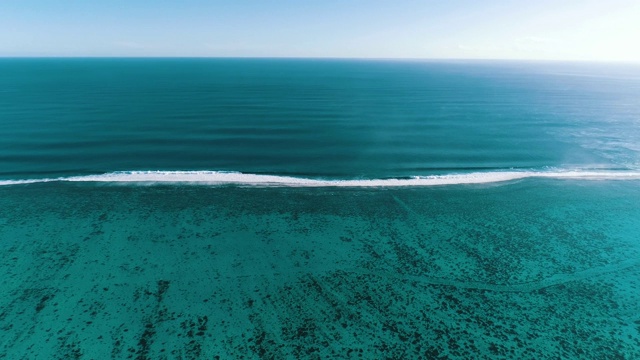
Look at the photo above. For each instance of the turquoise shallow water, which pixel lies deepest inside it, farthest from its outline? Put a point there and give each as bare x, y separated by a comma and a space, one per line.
193, 208
192, 272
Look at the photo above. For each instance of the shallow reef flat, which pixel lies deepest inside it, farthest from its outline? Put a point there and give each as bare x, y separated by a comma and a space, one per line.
535, 269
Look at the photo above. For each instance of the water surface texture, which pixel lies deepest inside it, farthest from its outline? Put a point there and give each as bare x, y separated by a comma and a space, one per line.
194, 208
337, 119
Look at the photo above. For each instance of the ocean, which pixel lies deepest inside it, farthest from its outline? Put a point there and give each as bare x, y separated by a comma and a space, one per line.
299, 208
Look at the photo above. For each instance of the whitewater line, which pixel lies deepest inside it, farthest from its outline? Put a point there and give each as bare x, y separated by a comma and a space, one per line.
236, 178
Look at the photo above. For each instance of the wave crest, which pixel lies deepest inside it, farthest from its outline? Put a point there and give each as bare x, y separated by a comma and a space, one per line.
237, 178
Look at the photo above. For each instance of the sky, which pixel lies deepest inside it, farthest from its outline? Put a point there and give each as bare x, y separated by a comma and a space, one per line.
585, 30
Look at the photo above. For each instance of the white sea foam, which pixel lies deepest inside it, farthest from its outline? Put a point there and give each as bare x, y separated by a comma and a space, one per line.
236, 178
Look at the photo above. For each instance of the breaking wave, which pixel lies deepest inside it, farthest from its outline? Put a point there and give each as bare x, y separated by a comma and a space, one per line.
236, 178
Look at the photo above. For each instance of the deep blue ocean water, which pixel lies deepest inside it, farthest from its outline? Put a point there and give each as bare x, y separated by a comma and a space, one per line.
289, 208
316, 118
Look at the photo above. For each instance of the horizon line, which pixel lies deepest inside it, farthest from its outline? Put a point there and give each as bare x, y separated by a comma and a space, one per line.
635, 62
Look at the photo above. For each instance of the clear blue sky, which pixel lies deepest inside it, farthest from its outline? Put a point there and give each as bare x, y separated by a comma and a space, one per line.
491, 29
